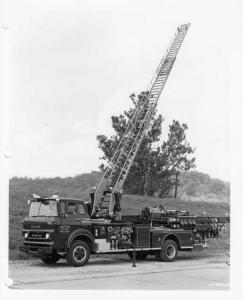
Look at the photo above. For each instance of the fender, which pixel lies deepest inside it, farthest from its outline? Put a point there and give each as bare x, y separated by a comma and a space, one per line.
80, 232
176, 236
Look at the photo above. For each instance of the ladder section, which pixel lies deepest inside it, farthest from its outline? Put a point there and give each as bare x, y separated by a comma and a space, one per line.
115, 175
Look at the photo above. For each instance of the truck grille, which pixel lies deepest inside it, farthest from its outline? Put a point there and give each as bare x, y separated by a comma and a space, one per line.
37, 235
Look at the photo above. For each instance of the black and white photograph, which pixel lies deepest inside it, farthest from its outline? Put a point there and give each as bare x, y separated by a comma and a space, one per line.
119, 166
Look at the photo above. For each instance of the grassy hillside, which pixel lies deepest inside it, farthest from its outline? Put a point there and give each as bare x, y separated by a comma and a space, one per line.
130, 205
193, 185
134, 204
22, 188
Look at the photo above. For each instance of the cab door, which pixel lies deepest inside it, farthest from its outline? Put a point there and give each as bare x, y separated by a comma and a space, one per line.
84, 216
71, 214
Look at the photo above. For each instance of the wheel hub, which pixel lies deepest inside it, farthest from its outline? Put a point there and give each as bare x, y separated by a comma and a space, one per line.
79, 253
170, 251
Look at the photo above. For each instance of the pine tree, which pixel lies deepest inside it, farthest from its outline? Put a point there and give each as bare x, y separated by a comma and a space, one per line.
153, 168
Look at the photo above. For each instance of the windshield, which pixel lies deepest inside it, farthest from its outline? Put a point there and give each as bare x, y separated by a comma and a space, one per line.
47, 208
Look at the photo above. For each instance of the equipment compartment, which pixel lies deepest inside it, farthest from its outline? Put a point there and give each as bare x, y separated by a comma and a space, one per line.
142, 236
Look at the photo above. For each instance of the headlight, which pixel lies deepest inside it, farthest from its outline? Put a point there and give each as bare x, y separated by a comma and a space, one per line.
26, 235
48, 235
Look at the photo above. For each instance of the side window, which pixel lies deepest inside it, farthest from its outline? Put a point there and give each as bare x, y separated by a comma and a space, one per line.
72, 208
81, 209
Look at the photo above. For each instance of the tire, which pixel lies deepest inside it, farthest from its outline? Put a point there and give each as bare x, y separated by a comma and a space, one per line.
168, 252
78, 254
142, 255
50, 259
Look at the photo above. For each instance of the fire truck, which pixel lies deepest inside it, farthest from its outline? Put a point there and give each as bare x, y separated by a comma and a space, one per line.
74, 229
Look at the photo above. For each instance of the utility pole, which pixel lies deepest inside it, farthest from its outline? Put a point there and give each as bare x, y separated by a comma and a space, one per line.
176, 184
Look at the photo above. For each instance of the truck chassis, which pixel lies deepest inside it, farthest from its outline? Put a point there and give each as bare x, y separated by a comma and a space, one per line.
153, 232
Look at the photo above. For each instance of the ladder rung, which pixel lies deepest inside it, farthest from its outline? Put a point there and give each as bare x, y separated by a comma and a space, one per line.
161, 79
157, 86
176, 44
175, 47
179, 39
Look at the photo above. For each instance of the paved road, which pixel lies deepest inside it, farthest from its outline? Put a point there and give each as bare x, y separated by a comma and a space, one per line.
192, 271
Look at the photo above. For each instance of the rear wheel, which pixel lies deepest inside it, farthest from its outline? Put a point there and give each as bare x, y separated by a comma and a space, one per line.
78, 254
168, 252
50, 259
142, 255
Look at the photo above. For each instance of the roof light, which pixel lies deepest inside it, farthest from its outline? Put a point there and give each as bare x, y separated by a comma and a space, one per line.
55, 197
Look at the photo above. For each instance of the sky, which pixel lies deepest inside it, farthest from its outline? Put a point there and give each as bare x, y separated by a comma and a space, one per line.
73, 64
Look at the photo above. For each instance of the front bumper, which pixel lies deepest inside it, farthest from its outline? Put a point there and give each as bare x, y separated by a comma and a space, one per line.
36, 249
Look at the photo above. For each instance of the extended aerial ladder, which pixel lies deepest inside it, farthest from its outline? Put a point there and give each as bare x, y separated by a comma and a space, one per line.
106, 197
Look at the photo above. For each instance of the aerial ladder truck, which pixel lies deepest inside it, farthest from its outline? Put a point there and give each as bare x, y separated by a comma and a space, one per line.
73, 229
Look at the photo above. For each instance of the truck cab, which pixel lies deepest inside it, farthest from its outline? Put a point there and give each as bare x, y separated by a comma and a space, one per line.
52, 225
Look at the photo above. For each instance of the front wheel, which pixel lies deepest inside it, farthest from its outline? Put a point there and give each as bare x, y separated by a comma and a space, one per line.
78, 254
168, 252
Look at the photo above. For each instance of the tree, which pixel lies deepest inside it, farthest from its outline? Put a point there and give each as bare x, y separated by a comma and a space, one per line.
177, 151
153, 168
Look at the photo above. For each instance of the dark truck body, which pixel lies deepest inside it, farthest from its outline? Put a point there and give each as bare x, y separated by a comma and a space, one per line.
53, 236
